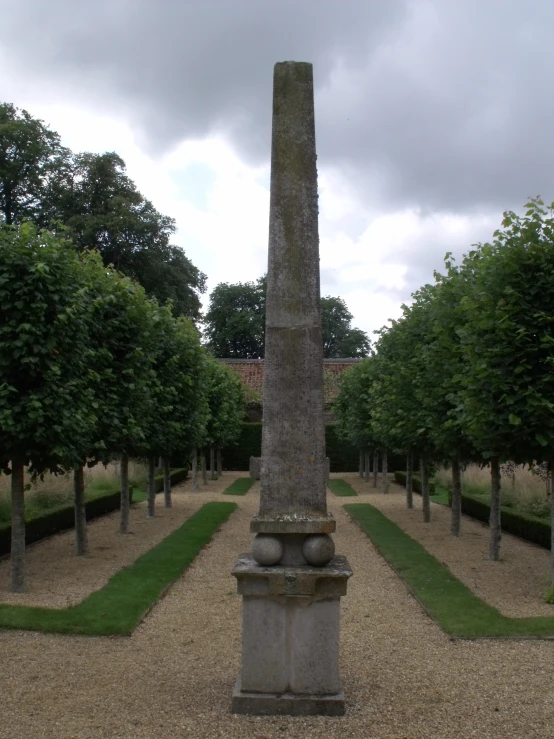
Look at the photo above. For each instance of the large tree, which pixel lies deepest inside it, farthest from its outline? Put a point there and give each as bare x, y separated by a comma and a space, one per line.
235, 323
93, 196
30, 156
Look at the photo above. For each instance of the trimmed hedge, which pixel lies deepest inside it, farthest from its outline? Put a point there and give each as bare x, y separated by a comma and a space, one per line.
249, 444
531, 528
63, 518
400, 478
344, 457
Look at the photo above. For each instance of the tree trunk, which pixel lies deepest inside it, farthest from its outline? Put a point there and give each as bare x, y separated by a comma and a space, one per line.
375, 467
409, 480
550, 468
426, 503
366, 465
125, 502
81, 538
361, 464
203, 463
494, 520
384, 465
195, 470
18, 528
151, 489
456, 512
212, 463
219, 464
167, 483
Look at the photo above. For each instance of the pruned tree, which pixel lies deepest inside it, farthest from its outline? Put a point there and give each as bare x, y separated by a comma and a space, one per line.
46, 404
507, 336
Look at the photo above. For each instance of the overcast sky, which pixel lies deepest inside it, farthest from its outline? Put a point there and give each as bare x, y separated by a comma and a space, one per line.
432, 117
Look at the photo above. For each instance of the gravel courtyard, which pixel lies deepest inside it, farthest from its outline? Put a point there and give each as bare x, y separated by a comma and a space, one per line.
402, 676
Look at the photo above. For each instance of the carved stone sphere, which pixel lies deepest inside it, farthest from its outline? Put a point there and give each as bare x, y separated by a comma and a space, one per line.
318, 549
267, 550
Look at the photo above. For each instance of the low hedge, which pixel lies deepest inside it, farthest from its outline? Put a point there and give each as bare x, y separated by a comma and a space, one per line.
400, 478
63, 518
531, 528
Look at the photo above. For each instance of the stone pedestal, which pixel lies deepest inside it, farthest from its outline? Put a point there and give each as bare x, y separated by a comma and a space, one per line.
290, 638
255, 467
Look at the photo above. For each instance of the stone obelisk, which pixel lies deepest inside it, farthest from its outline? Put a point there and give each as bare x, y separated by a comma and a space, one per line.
292, 581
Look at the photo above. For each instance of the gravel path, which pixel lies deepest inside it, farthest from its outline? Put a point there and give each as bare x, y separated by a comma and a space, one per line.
173, 678
515, 585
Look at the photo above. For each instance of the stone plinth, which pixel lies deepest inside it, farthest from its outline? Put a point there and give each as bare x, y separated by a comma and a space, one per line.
290, 643
255, 467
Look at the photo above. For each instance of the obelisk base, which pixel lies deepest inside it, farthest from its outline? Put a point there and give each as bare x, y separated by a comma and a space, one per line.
290, 638
285, 704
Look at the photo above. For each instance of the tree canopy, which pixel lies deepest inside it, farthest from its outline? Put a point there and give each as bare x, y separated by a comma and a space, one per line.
92, 196
30, 156
235, 323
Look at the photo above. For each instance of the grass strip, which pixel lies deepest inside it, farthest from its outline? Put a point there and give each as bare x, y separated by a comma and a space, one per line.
440, 496
341, 488
240, 486
123, 602
457, 610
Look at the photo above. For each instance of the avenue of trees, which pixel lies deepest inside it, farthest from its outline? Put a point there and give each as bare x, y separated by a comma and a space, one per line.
92, 369
235, 324
466, 374
91, 196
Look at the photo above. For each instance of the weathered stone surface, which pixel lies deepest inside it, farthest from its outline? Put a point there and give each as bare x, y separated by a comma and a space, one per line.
318, 549
329, 581
267, 550
288, 523
255, 464
285, 704
291, 610
255, 467
290, 645
293, 432
265, 657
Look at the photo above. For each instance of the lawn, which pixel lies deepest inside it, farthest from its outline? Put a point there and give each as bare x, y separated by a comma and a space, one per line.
341, 488
457, 610
123, 602
240, 486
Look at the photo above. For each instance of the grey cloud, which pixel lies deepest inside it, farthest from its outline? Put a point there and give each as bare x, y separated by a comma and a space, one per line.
439, 104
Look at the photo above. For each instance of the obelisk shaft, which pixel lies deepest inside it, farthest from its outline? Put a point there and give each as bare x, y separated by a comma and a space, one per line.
293, 473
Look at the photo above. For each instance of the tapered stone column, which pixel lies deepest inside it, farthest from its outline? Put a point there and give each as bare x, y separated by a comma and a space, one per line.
292, 581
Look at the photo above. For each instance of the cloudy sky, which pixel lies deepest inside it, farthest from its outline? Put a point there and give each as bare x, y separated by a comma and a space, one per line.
432, 117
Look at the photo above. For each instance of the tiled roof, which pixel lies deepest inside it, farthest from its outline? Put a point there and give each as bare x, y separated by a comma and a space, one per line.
251, 372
